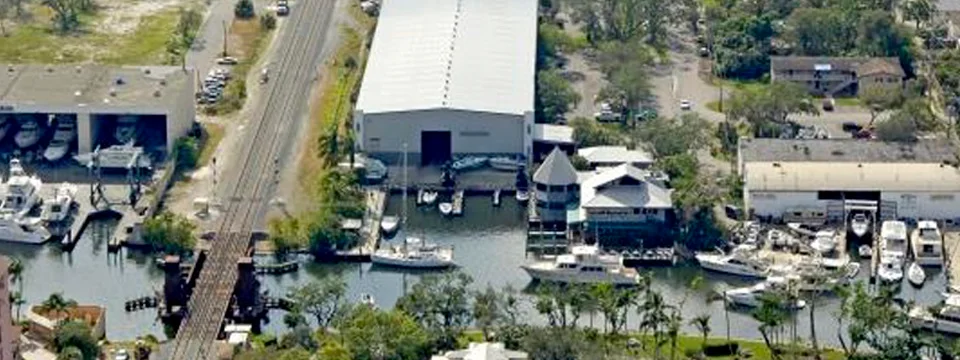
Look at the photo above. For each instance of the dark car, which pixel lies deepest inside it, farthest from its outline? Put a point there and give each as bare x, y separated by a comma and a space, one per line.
851, 127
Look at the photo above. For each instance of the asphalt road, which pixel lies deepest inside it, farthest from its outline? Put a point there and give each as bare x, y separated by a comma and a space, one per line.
250, 181
208, 45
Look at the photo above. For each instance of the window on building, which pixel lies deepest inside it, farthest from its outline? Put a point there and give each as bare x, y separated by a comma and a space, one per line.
541, 187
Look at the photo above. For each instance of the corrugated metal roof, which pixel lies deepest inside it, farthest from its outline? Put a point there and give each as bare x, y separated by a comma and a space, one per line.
474, 55
615, 154
850, 176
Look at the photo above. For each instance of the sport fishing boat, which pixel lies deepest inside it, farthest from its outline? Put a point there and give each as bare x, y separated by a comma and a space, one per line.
583, 265
927, 244
22, 192
63, 136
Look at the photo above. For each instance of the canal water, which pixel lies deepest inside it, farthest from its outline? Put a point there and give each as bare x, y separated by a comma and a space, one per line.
91, 275
489, 245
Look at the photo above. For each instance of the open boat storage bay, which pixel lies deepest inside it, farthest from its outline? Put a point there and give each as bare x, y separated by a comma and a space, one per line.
489, 245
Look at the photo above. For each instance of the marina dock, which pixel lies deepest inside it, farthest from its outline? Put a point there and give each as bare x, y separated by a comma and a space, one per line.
376, 203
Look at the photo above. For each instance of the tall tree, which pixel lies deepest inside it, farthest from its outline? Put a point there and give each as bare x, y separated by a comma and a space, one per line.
770, 105
879, 99
65, 14
16, 270
372, 334
771, 315
554, 96
702, 322
819, 32
619, 20
626, 69
441, 304
77, 335
920, 12
670, 137
323, 299
878, 34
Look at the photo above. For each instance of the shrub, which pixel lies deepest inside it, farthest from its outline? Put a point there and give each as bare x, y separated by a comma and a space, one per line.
244, 9
268, 21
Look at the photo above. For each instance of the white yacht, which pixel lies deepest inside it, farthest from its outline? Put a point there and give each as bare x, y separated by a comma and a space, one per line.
58, 209
734, 264
927, 243
25, 231
116, 157
63, 136
860, 225
890, 269
389, 224
504, 163
30, 132
945, 320
126, 130
22, 192
750, 296
585, 265
414, 254
893, 239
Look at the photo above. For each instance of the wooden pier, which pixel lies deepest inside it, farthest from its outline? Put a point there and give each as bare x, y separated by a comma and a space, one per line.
376, 203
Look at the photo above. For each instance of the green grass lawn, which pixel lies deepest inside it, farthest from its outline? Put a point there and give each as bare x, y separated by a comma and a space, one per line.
38, 42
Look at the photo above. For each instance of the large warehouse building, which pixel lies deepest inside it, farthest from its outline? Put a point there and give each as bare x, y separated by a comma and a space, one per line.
825, 178
159, 100
447, 78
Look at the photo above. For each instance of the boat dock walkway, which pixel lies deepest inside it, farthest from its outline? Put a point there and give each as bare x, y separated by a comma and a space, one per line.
127, 230
376, 203
951, 248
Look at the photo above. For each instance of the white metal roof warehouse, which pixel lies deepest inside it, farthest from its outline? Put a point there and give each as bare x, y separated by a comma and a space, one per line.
449, 77
782, 178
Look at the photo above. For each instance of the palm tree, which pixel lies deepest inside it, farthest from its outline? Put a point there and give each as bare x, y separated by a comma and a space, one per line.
70, 353
16, 298
702, 322
57, 305
16, 277
771, 315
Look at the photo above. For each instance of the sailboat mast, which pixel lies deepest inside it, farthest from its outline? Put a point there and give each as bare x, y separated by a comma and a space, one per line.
403, 219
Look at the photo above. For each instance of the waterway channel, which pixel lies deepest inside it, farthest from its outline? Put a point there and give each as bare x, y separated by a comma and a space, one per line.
489, 245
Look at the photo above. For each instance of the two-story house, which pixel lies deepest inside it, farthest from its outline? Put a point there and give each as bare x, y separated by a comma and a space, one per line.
621, 203
836, 76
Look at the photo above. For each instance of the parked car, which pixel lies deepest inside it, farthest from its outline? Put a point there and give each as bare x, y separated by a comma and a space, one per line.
851, 127
227, 60
283, 10
704, 52
685, 104
606, 113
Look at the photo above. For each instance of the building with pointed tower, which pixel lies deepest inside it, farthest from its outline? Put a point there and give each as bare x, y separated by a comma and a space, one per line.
556, 184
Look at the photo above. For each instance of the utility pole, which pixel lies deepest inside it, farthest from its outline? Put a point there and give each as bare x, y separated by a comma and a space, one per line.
224, 38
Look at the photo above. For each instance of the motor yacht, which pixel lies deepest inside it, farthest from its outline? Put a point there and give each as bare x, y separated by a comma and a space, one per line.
893, 239
63, 137
751, 296
927, 244
126, 130
584, 265
945, 320
890, 269
29, 134
389, 224
414, 254
58, 209
22, 192
735, 264
504, 163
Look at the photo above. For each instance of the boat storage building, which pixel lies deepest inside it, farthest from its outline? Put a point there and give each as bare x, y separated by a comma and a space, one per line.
449, 78
918, 180
159, 98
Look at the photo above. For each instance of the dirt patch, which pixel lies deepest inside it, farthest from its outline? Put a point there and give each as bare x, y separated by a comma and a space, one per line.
123, 16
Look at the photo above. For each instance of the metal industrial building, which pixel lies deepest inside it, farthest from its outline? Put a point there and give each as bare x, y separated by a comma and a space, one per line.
827, 178
160, 98
449, 78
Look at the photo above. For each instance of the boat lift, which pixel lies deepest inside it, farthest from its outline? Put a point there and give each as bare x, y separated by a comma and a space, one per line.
134, 179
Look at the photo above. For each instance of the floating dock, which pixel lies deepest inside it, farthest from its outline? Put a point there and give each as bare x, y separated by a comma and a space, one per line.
376, 203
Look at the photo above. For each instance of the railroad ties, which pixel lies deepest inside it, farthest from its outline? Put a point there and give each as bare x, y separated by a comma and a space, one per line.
146, 302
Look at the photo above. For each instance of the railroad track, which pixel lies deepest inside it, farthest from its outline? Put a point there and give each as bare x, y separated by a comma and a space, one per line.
254, 178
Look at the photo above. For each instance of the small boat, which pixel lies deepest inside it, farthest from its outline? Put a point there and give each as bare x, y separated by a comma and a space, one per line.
469, 163
27, 231
865, 251
825, 241
523, 196
750, 296
860, 225
429, 197
29, 134
916, 275
63, 136
504, 163
58, 209
890, 269
414, 254
446, 208
583, 265
367, 299
389, 224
